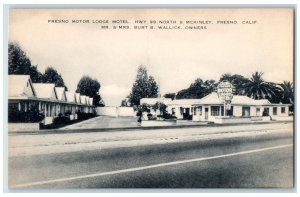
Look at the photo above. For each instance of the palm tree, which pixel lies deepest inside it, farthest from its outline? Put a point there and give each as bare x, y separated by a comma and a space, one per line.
287, 92
257, 88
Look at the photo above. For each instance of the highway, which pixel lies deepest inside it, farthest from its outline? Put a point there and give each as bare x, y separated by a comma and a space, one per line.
261, 159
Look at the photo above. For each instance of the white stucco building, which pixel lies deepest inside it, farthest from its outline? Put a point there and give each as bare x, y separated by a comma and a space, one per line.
211, 108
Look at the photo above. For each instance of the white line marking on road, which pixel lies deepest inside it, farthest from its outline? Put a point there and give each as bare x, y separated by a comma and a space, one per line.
148, 167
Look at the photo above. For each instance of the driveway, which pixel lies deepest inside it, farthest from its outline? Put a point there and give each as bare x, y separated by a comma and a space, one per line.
105, 122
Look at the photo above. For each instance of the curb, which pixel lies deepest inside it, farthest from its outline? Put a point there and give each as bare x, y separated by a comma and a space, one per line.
59, 131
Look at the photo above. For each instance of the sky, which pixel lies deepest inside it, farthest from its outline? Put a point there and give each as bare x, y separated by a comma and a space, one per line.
174, 57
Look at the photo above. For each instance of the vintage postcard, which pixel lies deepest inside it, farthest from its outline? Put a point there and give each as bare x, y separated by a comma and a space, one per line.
151, 98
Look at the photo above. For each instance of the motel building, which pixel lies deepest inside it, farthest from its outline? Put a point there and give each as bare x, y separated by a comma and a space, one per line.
45, 98
211, 109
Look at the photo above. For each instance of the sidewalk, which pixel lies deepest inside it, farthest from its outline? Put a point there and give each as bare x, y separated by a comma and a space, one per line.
111, 124
104, 122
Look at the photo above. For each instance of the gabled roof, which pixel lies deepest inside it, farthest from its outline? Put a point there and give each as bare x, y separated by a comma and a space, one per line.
262, 102
45, 90
20, 85
70, 95
243, 100
213, 99
87, 100
210, 99
60, 92
83, 99
91, 100
77, 97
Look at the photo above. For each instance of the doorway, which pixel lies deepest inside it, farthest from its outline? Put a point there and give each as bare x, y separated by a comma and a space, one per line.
206, 113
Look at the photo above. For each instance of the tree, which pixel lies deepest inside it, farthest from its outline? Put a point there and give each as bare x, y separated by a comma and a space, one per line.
257, 88
90, 87
143, 87
35, 75
20, 64
161, 107
170, 95
238, 82
197, 90
125, 103
52, 76
98, 101
209, 86
287, 92
153, 87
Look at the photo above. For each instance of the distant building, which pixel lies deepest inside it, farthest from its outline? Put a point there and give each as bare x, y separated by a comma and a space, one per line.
211, 108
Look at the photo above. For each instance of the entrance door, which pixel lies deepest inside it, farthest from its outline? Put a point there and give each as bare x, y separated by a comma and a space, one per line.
230, 111
206, 113
186, 114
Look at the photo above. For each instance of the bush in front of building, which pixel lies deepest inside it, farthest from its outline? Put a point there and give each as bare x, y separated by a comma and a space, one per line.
61, 119
167, 116
85, 116
68, 113
30, 116
151, 117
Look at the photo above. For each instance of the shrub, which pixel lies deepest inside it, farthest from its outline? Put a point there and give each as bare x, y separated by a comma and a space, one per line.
85, 116
61, 120
68, 113
32, 115
151, 117
160, 106
139, 113
168, 116
143, 108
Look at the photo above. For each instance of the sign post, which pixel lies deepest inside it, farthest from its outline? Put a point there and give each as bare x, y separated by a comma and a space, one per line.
225, 93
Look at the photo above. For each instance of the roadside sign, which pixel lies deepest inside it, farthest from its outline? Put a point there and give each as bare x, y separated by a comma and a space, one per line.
225, 91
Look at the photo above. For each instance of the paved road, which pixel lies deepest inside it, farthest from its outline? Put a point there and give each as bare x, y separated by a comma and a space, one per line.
249, 161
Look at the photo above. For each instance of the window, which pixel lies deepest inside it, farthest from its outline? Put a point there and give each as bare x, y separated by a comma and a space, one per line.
246, 111
215, 111
266, 111
173, 111
257, 111
283, 110
198, 110
229, 112
275, 111
181, 110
